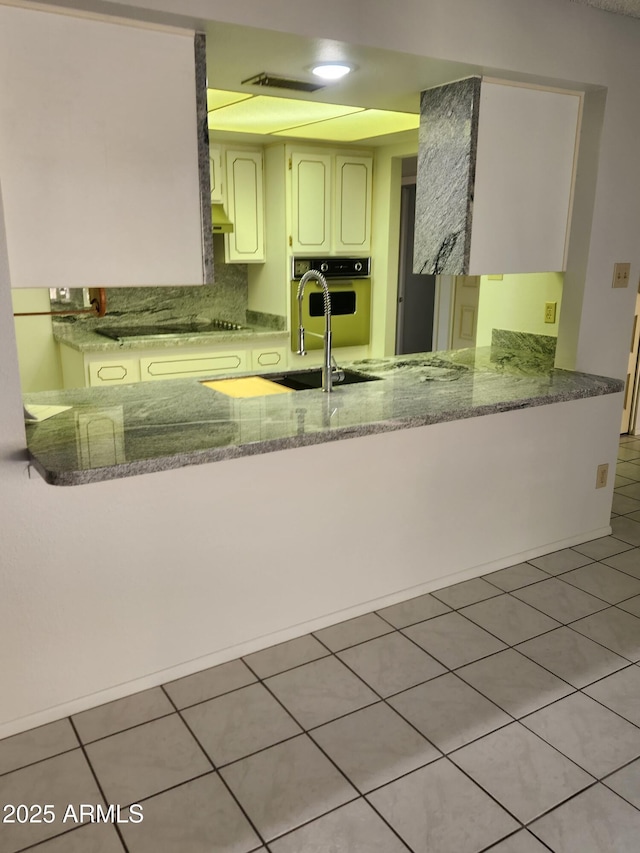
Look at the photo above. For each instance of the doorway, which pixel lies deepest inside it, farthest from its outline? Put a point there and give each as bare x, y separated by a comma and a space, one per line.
416, 293
630, 406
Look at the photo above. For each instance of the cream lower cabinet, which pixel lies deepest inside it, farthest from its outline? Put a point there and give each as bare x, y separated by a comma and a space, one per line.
119, 371
330, 210
97, 370
170, 366
83, 370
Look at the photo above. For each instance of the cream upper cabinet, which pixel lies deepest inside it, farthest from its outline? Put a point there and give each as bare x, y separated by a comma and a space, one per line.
330, 202
496, 166
352, 220
245, 206
98, 152
311, 202
215, 174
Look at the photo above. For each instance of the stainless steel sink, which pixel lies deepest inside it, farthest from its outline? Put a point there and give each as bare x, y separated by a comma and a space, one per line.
305, 380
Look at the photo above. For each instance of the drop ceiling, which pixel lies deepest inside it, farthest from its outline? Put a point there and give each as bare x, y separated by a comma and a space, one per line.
383, 81
263, 114
376, 104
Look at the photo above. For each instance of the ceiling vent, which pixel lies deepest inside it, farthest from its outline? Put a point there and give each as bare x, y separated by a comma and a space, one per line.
272, 81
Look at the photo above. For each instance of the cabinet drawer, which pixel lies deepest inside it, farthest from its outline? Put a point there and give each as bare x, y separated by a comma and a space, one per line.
117, 372
207, 364
274, 358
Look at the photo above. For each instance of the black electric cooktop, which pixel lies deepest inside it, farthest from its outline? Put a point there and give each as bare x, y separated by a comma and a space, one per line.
162, 330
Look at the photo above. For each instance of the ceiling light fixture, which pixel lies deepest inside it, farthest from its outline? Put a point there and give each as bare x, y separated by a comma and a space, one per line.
331, 70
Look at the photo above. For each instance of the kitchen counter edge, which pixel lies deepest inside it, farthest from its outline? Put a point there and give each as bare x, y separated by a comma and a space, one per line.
412, 404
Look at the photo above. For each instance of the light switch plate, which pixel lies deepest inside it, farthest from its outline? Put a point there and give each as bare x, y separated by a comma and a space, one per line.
621, 273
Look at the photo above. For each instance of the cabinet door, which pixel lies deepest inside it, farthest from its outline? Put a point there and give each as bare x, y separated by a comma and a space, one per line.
352, 220
215, 174
245, 207
100, 178
310, 202
524, 179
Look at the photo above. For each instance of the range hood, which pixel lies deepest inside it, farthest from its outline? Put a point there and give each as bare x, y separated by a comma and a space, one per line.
220, 221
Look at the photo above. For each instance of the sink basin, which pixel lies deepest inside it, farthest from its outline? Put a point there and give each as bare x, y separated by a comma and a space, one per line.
304, 380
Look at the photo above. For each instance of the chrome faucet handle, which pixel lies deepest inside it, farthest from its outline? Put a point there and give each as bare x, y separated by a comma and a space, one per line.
337, 373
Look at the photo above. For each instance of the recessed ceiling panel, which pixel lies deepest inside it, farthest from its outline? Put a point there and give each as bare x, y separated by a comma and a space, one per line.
263, 114
351, 128
217, 98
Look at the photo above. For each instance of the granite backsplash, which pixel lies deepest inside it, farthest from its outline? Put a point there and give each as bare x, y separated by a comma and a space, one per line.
225, 299
505, 339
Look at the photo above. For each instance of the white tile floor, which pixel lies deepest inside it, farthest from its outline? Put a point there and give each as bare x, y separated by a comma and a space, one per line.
501, 714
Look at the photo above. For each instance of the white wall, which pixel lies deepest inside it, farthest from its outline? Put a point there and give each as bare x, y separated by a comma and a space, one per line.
174, 577
517, 303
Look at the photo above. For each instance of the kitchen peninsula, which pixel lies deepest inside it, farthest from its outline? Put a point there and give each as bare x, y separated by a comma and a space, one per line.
118, 586
147, 427
275, 516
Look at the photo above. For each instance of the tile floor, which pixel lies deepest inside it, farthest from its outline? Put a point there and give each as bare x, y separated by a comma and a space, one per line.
501, 714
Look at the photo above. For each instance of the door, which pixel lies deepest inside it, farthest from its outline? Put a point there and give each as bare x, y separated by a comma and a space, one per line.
465, 311
629, 412
414, 329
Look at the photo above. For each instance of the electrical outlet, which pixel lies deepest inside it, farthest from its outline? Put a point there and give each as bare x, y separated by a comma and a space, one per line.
550, 312
621, 273
602, 475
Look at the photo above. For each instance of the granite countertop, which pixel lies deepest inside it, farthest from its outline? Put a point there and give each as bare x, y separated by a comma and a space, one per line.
83, 337
155, 426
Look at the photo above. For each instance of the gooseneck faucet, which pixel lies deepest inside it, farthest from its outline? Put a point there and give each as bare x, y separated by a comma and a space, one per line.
330, 370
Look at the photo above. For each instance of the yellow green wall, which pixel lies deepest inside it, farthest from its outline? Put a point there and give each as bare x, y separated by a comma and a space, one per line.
38, 353
517, 303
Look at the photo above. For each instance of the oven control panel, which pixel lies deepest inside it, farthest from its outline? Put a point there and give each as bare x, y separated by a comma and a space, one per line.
331, 267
